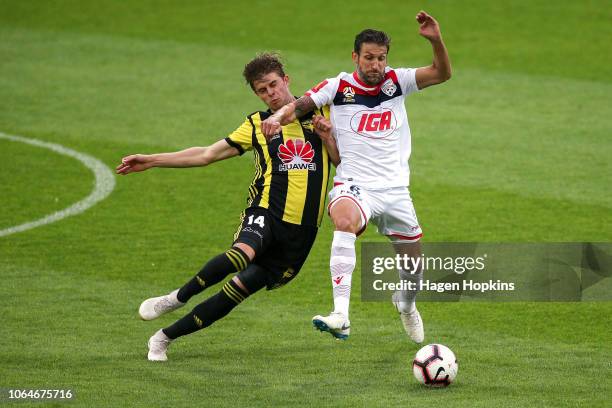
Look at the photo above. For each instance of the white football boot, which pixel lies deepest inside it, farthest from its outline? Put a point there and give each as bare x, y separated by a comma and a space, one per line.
413, 324
152, 308
158, 345
336, 324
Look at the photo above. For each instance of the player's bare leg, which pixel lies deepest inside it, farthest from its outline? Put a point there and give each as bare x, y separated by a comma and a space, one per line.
405, 300
347, 220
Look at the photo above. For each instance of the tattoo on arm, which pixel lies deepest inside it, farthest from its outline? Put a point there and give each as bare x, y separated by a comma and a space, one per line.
304, 105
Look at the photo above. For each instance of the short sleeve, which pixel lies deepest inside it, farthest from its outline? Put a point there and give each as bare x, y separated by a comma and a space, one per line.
407, 80
242, 138
324, 93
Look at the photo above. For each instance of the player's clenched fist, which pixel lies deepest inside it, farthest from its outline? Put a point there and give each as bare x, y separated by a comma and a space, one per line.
270, 127
322, 126
134, 163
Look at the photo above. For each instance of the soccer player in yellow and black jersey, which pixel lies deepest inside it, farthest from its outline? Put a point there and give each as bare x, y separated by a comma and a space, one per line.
285, 206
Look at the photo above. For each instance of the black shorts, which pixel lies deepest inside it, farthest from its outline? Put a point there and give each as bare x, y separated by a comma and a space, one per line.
281, 248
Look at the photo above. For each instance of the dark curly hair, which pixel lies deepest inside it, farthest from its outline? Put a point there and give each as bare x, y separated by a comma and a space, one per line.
261, 65
372, 36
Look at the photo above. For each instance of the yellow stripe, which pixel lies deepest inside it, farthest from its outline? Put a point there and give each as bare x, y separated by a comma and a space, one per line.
233, 261
265, 194
257, 172
233, 292
230, 295
297, 185
235, 257
325, 111
243, 260
239, 225
240, 258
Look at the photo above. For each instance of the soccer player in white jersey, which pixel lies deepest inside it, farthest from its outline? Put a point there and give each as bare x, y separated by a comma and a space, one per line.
371, 127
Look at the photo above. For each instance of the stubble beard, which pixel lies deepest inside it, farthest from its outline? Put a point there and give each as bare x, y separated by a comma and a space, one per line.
371, 80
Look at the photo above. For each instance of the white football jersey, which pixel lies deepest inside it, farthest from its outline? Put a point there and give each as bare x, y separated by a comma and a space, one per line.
371, 126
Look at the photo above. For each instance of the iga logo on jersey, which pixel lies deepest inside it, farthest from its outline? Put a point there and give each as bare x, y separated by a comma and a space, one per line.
374, 124
296, 155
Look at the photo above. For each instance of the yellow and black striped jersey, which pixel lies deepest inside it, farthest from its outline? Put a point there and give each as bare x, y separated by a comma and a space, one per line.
291, 170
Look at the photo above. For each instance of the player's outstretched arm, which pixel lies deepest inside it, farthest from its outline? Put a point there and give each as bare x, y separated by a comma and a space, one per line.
323, 128
440, 69
192, 157
286, 115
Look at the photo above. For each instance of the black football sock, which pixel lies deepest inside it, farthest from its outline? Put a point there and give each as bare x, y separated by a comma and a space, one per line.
208, 312
231, 261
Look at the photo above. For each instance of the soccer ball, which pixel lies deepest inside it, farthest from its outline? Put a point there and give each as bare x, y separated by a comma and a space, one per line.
435, 365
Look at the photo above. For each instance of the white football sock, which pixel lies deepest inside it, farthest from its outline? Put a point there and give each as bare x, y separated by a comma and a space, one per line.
341, 265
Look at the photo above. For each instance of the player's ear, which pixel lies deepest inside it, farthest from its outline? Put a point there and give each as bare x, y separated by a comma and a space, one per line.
287, 80
355, 57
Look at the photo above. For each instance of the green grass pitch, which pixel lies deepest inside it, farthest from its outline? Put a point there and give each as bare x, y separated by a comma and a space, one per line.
516, 147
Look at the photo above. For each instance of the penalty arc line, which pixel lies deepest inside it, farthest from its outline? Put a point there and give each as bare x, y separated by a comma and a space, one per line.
103, 185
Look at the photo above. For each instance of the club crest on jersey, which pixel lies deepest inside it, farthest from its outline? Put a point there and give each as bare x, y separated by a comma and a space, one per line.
374, 124
388, 87
307, 124
296, 155
349, 94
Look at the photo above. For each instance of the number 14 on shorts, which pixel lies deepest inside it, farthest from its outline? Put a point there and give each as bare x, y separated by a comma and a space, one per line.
256, 220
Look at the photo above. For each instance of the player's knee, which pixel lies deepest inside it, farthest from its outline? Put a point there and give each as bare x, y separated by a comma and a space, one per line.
346, 216
251, 279
347, 224
241, 285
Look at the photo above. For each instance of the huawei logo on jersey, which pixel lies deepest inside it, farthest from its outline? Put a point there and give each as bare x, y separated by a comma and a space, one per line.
296, 155
374, 124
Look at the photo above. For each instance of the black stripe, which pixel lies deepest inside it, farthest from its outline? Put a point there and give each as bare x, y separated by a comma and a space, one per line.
236, 145
310, 216
259, 183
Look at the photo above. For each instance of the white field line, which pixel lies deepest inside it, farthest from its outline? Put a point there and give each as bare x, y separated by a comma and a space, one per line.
103, 186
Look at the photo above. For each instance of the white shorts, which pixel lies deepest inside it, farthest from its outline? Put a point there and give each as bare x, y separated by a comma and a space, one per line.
390, 209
